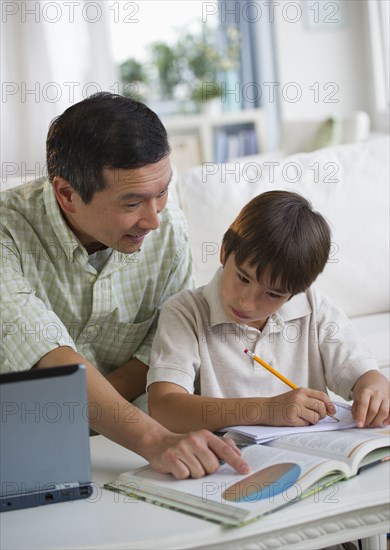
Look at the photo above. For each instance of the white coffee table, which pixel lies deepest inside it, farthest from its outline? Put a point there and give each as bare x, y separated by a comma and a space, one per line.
358, 508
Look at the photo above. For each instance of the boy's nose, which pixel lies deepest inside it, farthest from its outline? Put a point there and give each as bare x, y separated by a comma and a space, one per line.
248, 303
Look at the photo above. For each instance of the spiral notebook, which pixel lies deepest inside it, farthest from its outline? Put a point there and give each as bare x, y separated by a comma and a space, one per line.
261, 434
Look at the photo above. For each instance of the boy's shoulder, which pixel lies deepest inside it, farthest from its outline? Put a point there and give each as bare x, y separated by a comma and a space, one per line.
317, 298
185, 298
312, 301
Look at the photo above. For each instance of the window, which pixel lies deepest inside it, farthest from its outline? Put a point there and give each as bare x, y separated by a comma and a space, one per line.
379, 16
175, 67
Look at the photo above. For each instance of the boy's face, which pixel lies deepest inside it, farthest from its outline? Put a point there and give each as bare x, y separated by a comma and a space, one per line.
244, 299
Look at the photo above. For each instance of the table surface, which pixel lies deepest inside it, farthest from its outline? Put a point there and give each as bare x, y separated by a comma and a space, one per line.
357, 508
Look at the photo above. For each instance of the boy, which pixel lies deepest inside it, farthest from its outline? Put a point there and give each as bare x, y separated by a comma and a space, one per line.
262, 299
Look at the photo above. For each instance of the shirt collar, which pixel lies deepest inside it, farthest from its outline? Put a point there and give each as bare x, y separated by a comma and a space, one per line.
211, 292
298, 306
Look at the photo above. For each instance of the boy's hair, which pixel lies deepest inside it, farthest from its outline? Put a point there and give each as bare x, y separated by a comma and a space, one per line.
103, 131
280, 230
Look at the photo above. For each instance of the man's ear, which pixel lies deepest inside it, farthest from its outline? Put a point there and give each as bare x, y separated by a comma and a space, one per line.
65, 194
222, 254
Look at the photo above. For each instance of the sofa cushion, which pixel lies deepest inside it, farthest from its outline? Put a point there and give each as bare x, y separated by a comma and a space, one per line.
375, 330
348, 184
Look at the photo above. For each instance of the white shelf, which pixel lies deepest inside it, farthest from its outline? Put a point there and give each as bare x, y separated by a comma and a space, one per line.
194, 138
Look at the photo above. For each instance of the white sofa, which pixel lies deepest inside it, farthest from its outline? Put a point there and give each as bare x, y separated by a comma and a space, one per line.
348, 184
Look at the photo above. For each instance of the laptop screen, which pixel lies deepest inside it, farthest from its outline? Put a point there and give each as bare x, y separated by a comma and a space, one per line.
44, 437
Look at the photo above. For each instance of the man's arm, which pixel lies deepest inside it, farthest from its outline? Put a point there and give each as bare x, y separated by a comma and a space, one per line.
191, 455
129, 379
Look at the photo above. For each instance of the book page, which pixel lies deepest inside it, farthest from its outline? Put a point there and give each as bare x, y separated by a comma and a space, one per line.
351, 445
278, 477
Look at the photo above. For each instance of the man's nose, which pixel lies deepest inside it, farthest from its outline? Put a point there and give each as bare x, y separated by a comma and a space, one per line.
149, 217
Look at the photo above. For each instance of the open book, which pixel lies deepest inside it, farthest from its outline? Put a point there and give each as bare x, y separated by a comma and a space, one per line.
283, 471
261, 434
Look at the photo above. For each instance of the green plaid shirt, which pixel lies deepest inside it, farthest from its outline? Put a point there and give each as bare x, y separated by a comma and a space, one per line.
52, 296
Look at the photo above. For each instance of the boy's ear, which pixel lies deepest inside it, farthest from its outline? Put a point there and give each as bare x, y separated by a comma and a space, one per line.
222, 255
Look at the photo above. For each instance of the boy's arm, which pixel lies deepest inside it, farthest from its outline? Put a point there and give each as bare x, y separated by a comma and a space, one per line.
181, 411
371, 400
345, 356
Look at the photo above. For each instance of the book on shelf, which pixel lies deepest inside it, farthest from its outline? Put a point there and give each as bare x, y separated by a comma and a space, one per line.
232, 142
282, 472
221, 146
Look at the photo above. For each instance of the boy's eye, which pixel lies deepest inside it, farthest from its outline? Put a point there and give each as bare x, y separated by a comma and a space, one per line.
242, 278
273, 295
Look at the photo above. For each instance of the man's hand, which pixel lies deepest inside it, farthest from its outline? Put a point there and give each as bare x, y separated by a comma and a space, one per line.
194, 454
371, 400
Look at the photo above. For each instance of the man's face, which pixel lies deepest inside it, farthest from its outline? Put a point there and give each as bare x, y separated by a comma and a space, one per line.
244, 299
125, 211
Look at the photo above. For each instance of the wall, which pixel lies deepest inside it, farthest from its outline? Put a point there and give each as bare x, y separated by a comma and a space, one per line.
335, 56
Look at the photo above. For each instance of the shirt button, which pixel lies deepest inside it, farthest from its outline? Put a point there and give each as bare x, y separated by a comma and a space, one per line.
92, 279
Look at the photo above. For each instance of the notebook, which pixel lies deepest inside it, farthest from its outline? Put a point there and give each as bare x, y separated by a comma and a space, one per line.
44, 437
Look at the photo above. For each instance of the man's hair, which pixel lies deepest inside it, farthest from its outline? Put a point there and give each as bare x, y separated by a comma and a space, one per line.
281, 231
103, 131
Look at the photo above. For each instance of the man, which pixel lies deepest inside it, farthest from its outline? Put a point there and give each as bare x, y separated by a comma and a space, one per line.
87, 261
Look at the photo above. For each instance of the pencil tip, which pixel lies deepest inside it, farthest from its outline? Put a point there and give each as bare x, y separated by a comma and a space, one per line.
246, 350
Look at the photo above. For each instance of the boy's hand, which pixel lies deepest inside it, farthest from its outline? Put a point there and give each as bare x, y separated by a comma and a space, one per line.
194, 454
300, 407
371, 400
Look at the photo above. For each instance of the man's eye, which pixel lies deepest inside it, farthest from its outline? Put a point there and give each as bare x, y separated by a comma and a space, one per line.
163, 192
273, 295
132, 205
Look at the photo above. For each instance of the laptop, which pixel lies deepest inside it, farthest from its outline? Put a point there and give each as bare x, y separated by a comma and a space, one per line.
44, 437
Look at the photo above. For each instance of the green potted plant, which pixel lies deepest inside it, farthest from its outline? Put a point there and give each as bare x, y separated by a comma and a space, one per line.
133, 77
188, 73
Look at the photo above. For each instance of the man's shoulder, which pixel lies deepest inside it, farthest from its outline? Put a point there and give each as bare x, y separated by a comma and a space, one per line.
24, 196
172, 215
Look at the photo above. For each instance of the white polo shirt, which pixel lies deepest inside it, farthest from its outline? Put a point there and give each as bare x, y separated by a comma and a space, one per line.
308, 339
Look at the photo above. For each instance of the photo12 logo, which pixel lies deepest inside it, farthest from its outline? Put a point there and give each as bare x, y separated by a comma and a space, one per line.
70, 11
323, 13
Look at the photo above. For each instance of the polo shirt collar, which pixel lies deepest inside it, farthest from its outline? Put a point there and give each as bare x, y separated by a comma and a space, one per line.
295, 308
298, 306
211, 292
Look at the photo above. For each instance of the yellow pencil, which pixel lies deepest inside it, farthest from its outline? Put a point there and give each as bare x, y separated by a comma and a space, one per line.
278, 375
